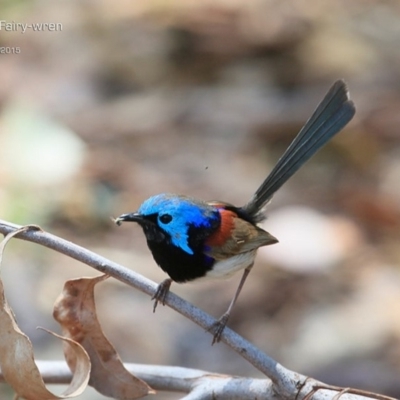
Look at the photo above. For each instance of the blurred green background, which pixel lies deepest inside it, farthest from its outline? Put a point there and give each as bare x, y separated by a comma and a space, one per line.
127, 99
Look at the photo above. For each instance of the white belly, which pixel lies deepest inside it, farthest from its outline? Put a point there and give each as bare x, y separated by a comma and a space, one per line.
226, 268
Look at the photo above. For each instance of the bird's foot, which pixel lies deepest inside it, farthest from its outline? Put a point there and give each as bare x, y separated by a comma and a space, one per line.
218, 327
161, 293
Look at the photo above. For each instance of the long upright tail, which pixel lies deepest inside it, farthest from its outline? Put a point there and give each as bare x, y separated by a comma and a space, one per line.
331, 115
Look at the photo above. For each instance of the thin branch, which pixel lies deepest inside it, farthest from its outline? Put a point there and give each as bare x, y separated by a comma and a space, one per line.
200, 385
173, 379
286, 384
248, 351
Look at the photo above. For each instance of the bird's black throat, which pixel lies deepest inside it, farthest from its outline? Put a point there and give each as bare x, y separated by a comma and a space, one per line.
178, 264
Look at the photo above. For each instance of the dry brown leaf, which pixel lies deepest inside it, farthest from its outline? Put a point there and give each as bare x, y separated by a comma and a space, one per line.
17, 359
75, 311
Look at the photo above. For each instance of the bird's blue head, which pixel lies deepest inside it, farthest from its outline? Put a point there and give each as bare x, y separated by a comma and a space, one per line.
174, 218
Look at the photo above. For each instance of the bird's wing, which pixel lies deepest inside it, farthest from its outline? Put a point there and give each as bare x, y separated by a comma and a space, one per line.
235, 236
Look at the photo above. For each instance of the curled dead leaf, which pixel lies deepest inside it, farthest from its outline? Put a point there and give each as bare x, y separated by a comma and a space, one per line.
16, 353
75, 311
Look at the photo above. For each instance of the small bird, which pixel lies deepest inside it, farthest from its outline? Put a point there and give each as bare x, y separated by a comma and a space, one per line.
192, 239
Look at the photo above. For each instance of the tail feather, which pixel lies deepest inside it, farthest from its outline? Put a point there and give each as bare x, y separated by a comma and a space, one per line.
330, 117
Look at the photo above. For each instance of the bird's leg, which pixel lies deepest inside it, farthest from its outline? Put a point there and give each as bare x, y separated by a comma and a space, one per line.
218, 326
161, 293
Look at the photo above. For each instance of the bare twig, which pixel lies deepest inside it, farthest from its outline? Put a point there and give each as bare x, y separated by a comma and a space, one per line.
285, 383
175, 379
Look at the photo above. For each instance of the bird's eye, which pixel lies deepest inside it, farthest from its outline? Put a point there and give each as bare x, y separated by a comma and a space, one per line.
165, 218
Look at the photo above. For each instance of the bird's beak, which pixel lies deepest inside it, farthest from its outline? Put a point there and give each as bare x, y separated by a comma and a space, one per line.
272, 239
132, 217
